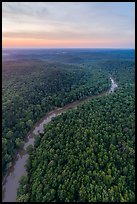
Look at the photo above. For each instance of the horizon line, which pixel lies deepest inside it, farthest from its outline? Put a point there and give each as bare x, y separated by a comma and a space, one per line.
66, 48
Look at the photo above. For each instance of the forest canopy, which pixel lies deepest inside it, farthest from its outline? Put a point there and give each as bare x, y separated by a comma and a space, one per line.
86, 154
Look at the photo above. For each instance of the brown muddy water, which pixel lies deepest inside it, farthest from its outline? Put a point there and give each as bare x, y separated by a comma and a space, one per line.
10, 182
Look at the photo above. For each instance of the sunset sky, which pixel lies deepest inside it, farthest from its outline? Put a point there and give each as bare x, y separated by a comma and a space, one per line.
68, 25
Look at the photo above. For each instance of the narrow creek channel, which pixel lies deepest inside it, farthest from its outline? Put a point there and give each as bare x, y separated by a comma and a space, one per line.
10, 182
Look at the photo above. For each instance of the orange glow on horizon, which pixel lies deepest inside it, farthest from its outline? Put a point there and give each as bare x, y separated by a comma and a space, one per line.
36, 43
50, 25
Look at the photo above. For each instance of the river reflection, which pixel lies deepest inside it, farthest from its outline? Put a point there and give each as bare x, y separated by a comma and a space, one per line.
113, 86
11, 180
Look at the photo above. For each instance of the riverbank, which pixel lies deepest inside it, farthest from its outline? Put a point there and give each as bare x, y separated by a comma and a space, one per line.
11, 180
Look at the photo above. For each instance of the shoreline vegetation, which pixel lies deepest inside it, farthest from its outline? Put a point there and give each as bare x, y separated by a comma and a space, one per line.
36, 84
36, 129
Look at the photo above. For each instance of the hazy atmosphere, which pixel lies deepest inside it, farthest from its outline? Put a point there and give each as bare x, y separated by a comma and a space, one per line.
68, 102
68, 25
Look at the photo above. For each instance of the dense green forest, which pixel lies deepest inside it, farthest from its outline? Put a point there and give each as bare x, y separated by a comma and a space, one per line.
31, 88
88, 154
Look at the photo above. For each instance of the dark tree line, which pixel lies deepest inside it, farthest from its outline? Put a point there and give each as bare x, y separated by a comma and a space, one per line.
32, 88
87, 154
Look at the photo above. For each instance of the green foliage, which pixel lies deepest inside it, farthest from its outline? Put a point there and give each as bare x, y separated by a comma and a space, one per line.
22, 193
87, 154
29, 123
94, 161
29, 149
30, 89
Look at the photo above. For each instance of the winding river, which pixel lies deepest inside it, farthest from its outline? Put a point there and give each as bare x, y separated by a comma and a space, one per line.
10, 182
